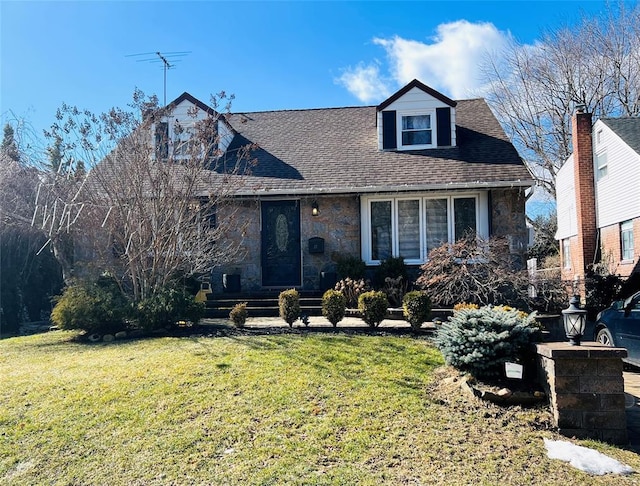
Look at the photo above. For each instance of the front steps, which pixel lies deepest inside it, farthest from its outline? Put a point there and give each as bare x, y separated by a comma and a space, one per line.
260, 304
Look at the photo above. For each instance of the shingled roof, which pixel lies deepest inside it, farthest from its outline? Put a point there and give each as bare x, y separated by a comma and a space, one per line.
335, 150
628, 129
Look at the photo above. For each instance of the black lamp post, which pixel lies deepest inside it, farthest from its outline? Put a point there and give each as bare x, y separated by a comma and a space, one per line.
575, 320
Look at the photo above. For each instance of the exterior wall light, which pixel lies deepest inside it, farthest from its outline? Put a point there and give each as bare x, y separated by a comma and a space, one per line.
314, 209
575, 320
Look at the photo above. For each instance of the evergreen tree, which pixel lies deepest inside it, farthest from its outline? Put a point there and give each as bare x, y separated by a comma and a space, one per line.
9, 145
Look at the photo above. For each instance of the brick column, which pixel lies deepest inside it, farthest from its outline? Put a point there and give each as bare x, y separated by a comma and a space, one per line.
585, 386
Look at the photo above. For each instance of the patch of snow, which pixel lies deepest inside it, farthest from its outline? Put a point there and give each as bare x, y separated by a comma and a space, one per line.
585, 459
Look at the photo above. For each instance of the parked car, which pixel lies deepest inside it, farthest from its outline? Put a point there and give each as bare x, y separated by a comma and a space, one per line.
619, 325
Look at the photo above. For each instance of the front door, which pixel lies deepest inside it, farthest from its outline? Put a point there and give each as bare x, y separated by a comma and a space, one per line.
281, 258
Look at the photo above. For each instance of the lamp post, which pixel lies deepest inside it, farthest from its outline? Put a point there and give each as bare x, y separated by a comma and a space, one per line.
575, 320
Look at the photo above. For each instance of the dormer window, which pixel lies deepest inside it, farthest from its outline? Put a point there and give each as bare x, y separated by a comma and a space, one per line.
416, 118
416, 131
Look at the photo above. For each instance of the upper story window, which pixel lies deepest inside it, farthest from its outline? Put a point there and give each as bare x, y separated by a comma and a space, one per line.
416, 130
162, 140
416, 117
601, 164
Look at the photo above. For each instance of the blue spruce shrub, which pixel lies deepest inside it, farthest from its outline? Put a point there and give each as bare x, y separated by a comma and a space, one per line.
479, 341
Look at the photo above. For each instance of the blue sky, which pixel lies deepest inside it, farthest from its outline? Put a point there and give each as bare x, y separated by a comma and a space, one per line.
270, 55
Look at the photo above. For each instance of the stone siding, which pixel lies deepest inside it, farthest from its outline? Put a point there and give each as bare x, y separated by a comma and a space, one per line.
508, 220
338, 223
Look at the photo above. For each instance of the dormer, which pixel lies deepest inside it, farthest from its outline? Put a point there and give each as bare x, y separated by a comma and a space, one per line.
174, 129
416, 117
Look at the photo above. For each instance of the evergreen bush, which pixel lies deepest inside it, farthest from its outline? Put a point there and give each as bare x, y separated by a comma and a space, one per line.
239, 314
479, 341
373, 307
289, 305
95, 307
392, 268
348, 266
416, 308
334, 305
166, 308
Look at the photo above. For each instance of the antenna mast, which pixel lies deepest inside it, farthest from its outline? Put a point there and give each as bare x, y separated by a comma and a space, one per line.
168, 60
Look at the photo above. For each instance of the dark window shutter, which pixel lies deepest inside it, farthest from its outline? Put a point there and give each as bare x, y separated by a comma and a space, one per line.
389, 135
443, 119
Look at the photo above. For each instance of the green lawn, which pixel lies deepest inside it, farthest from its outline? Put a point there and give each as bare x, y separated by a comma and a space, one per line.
299, 408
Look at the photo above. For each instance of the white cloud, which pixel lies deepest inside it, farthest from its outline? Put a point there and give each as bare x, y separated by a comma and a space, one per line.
450, 62
365, 82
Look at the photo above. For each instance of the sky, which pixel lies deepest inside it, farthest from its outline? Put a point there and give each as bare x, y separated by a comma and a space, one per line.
269, 55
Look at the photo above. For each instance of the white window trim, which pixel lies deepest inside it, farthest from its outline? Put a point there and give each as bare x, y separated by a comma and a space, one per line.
566, 253
434, 132
482, 221
601, 162
626, 226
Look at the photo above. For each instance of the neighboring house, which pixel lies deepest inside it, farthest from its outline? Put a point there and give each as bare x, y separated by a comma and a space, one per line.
598, 197
397, 179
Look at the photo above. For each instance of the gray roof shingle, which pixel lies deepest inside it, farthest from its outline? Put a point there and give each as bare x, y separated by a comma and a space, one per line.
628, 129
336, 150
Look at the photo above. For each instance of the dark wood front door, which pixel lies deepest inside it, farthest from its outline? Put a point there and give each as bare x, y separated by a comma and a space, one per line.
281, 259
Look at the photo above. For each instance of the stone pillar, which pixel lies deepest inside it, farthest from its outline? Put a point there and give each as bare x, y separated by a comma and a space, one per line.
585, 386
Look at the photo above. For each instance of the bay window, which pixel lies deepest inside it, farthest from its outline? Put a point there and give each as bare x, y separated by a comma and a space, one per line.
411, 227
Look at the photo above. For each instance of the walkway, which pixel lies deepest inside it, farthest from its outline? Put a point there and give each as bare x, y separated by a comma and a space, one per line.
632, 397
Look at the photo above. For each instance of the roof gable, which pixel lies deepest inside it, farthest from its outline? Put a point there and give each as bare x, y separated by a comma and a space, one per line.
194, 101
421, 86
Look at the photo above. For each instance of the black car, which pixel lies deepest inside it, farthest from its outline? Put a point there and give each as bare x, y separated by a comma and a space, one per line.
619, 325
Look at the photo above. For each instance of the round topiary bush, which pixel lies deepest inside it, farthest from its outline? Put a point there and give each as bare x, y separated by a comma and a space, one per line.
479, 341
416, 308
239, 314
289, 305
373, 307
334, 306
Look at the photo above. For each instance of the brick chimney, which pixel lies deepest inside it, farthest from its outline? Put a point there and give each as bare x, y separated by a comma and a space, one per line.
585, 188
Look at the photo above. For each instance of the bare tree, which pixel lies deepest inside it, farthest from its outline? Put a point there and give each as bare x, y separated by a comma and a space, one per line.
146, 214
534, 89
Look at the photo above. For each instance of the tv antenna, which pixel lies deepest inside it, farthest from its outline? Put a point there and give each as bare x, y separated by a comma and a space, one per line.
168, 60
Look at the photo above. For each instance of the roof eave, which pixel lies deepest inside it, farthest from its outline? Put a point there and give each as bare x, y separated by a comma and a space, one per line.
390, 189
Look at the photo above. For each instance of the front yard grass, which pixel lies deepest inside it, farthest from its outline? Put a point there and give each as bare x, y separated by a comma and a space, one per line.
293, 408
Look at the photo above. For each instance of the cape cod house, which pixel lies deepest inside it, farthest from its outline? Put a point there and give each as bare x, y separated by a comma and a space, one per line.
598, 197
397, 179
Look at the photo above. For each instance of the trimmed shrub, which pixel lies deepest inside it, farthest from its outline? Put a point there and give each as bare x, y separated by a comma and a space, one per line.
289, 305
373, 307
416, 308
334, 305
95, 307
479, 341
349, 266
166, 308
392, 268
239, 314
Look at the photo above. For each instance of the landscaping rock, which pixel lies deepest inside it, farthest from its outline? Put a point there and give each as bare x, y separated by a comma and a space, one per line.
107, 338
121, 335
94, 338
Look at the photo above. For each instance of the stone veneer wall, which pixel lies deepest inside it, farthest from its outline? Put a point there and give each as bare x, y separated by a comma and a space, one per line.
508, 219
585, 387
338, 223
